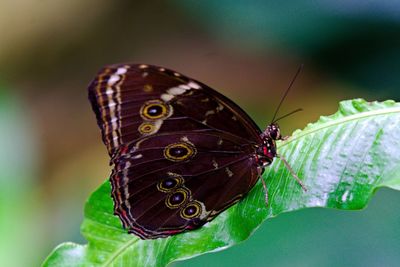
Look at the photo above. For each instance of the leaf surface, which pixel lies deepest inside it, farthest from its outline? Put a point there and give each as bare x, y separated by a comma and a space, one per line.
342, 159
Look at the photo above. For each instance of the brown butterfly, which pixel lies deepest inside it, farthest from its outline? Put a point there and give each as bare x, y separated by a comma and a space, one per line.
182, 152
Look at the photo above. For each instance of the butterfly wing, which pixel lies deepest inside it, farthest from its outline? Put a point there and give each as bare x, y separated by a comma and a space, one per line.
119, 93
159, 191
182, 152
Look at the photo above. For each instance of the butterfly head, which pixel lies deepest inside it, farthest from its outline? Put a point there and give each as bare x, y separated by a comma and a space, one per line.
267, 151
273, 131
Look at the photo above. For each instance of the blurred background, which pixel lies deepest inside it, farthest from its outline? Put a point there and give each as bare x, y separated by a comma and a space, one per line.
51, 154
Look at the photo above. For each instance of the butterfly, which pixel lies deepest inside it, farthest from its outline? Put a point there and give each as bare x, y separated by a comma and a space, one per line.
181, 152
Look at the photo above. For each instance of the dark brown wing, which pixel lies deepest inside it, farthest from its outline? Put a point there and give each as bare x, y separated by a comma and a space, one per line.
182, 152
119, 92
216, 172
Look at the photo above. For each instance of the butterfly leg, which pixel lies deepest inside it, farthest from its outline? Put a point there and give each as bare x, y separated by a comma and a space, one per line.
265, 191
292, 172
284, 138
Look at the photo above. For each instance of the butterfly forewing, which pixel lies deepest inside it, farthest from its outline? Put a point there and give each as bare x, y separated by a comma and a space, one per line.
182, 152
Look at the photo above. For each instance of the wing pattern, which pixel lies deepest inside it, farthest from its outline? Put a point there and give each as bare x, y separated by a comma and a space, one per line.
182, 152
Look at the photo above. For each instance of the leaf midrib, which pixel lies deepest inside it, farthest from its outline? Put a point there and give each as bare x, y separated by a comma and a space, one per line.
119, 251
337, 121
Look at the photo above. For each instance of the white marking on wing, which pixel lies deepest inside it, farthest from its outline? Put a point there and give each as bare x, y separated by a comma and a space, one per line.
194, 85
113, 119
166, 97
215, 163
113, 79
184, 86
138, 156
121, 70
176, 91
229, 172
204, 212
125, 178
210, 112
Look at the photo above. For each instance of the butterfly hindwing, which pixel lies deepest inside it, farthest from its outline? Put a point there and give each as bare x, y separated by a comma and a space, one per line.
209, 175
182, 152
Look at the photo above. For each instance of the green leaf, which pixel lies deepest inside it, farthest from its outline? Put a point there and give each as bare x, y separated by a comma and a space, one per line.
342, 160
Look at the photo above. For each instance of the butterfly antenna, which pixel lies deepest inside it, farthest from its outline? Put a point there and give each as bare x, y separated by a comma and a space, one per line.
288, 114
287, 91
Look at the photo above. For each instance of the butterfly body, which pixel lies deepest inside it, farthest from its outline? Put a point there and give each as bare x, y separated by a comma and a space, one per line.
182, 152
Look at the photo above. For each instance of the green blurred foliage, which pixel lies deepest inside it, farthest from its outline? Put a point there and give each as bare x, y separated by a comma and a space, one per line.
358, 41
21, 210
